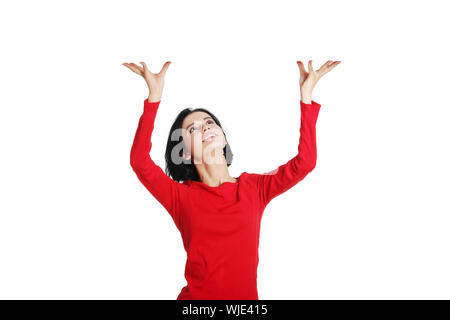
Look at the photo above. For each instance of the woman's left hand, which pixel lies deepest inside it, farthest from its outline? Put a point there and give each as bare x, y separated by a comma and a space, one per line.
308, 80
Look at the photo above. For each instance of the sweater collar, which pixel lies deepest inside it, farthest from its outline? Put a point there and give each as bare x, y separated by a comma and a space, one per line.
223, 185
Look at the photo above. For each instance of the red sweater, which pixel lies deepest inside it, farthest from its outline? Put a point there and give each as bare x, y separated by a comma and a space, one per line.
220, 225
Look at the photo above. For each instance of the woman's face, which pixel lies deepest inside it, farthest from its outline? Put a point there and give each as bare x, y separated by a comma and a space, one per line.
203, 138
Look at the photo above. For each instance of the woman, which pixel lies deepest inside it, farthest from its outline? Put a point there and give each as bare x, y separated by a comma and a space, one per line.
217, 215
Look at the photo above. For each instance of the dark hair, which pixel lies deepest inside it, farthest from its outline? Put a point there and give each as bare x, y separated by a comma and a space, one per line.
186, 169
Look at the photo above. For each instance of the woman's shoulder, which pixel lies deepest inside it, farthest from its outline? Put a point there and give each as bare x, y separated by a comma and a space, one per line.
249, 177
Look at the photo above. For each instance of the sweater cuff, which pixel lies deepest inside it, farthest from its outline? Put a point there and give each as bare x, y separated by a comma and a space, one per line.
313, 103
146, 102
150, 107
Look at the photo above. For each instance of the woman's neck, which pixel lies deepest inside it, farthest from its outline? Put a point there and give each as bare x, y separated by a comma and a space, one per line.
214, 174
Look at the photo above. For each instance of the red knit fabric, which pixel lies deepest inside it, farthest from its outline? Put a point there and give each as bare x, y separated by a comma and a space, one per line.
220, 225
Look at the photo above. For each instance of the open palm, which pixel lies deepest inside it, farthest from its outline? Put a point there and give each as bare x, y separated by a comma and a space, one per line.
155, 81
308, 80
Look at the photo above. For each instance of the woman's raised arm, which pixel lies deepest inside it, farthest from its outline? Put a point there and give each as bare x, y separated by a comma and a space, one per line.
162, 187
289, 174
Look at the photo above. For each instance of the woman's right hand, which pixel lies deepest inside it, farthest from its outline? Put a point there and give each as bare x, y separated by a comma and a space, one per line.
155, 81
308, 80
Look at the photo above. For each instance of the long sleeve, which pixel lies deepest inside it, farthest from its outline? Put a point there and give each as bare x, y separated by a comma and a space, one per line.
161, 186
275, 182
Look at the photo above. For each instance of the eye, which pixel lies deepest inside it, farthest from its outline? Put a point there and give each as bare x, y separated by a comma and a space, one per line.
192, 128
196, 128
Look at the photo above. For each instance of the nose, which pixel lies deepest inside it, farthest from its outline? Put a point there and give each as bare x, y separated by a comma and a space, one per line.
206, 127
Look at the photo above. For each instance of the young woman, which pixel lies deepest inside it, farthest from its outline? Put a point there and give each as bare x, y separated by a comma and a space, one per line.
217, 215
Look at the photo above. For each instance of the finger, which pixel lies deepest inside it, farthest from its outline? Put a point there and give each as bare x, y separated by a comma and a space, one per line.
310, 67
137, 67
333, 65
323, 69
165, 67
145, 68
132, 68
330, 67
324, 65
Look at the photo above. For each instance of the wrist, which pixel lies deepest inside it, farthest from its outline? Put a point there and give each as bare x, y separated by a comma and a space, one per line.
306, 98
154, 97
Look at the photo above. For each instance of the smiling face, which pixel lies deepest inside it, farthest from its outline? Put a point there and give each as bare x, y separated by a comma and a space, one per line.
202, 137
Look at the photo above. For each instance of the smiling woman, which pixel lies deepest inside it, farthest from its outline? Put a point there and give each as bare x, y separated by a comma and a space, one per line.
187, 144
218, 216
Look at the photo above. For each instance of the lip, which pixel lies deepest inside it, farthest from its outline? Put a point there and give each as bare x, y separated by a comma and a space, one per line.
208, 135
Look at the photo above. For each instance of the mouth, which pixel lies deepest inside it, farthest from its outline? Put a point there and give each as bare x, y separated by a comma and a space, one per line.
209, 137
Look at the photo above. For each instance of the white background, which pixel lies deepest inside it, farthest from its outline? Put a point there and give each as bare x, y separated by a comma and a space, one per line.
370, 222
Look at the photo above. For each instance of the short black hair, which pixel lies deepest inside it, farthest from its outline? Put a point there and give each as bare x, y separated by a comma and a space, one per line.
186, 169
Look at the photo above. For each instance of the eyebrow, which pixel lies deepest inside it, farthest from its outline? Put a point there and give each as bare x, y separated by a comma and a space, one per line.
187, 128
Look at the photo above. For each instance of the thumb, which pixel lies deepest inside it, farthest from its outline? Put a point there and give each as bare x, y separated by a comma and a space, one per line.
165, 67
301, 67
